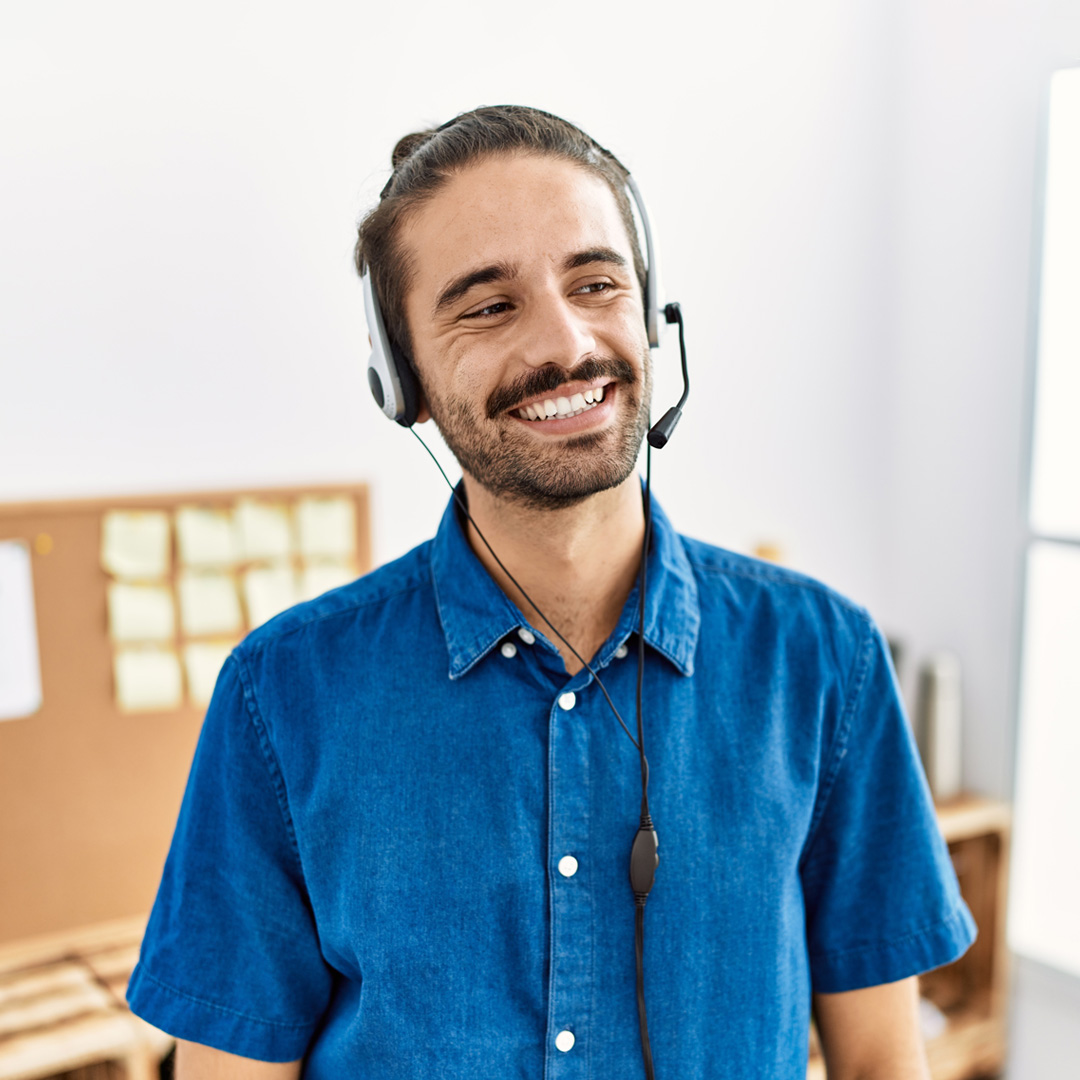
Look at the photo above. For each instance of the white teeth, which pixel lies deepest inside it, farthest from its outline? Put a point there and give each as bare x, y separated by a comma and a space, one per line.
562, 407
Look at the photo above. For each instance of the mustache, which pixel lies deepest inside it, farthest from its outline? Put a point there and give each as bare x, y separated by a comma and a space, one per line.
547, 379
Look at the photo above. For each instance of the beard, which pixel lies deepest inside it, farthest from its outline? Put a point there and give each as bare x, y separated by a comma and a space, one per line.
507, 461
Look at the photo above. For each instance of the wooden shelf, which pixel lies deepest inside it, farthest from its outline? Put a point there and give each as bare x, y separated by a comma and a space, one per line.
62, 1006
973, 991
970, 816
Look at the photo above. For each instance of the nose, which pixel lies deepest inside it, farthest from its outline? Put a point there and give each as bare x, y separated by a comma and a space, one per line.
556, 332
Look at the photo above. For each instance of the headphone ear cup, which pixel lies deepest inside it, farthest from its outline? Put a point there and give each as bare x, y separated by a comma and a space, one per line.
391, 379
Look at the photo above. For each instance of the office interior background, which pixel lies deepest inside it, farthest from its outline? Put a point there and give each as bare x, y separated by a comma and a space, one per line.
848, 200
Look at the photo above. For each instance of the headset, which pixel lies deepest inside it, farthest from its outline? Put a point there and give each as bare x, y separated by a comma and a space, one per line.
396, 391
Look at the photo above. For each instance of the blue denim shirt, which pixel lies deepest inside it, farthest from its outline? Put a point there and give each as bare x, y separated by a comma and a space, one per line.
366, 867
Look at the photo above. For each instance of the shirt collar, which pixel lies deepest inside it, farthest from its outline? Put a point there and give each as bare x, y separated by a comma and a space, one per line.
476, 614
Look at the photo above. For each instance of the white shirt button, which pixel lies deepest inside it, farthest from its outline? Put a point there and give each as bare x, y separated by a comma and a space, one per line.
527, 636
568, 700
565, 1041
509, 650
621, 651
568, 866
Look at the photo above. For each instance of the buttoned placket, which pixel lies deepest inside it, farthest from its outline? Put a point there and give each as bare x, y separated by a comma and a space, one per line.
570, 990
571, 907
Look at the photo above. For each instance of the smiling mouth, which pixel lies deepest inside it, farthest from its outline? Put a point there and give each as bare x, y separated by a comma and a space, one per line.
561, 408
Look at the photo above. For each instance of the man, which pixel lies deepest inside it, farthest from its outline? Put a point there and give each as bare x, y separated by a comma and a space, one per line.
403, 851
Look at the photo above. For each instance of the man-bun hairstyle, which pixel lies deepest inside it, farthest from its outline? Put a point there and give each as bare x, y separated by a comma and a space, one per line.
423, 162
407, 144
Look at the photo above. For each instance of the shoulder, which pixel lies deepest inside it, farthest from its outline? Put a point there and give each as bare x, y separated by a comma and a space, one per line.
719, 569
766, 601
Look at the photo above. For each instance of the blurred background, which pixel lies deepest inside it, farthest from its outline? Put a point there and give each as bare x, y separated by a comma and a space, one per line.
849, 203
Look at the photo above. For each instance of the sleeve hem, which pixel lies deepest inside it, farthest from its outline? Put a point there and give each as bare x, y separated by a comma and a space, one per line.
890, 961
186, 1016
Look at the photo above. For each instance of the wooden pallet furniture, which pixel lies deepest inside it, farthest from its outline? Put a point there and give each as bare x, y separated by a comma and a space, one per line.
973, 992
63, 1010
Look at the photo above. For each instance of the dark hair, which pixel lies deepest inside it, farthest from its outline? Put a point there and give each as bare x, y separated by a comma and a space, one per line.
425, 160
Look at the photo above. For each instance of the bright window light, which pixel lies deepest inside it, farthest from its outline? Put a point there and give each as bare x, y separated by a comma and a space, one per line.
1045, 907
1055, 478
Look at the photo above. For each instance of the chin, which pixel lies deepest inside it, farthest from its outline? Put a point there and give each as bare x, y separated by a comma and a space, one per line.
581, 467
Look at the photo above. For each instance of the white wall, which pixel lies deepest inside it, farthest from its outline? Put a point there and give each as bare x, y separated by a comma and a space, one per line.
182, 186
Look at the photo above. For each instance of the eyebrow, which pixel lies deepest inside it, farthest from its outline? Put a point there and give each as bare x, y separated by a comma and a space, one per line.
500, 271
503, 271
593, 255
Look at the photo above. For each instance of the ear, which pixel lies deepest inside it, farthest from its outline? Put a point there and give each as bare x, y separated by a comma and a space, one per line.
423, 413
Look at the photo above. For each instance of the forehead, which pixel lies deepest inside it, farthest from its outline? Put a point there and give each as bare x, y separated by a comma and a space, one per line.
522, 210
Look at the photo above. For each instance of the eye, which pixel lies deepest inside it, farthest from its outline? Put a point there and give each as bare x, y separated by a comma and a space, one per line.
488, 312
596, 287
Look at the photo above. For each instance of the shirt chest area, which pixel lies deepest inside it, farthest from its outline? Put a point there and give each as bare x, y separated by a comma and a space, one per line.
485, 793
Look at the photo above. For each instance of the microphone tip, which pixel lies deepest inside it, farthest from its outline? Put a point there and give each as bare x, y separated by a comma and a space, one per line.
661, 431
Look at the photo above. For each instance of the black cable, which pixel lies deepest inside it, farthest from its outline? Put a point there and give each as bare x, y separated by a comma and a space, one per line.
639, 949
646, 819
641, 634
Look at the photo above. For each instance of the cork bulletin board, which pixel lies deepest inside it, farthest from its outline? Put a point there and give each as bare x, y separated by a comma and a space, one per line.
91, 783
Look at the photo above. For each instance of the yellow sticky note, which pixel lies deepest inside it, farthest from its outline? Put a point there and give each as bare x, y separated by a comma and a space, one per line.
327, 526
267, 591
141, 612
263, 530
319, 577
205, 537
209, 603
202, 663
135, 543
147, 679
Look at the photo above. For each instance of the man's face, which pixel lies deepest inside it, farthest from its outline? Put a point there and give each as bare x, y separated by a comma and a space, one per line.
524, 303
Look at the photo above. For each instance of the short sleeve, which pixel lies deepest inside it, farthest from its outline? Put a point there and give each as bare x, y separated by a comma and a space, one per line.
231, 957
882, 900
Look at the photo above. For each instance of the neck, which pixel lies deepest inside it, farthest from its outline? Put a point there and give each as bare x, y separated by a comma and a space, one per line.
578, 564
